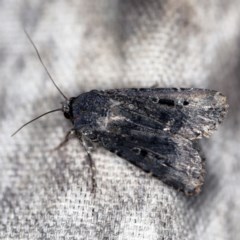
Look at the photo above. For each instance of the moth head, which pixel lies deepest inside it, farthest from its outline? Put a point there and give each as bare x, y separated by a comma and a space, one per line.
67, 108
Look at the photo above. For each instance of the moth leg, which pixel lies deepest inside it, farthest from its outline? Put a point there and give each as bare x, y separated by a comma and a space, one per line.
66, 139
87, 146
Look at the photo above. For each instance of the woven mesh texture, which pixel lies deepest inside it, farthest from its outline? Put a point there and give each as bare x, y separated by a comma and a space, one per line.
112, 44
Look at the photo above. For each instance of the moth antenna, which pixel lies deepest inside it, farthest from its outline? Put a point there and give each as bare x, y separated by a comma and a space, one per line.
44, 66
24, 125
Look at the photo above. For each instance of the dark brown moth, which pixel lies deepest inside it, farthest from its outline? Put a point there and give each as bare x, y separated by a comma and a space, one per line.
156, 129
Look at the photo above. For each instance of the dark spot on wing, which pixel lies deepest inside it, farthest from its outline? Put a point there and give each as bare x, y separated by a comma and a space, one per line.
167, 102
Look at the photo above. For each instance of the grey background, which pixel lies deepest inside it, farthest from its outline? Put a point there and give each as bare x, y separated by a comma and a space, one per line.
112, 44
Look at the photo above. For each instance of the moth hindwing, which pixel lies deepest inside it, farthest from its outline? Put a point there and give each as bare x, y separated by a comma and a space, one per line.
156, 129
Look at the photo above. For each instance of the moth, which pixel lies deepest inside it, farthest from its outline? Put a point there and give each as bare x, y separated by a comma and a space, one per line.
156, 129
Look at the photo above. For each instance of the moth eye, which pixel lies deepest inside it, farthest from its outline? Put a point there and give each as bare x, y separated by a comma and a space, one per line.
185, 103
66, 115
